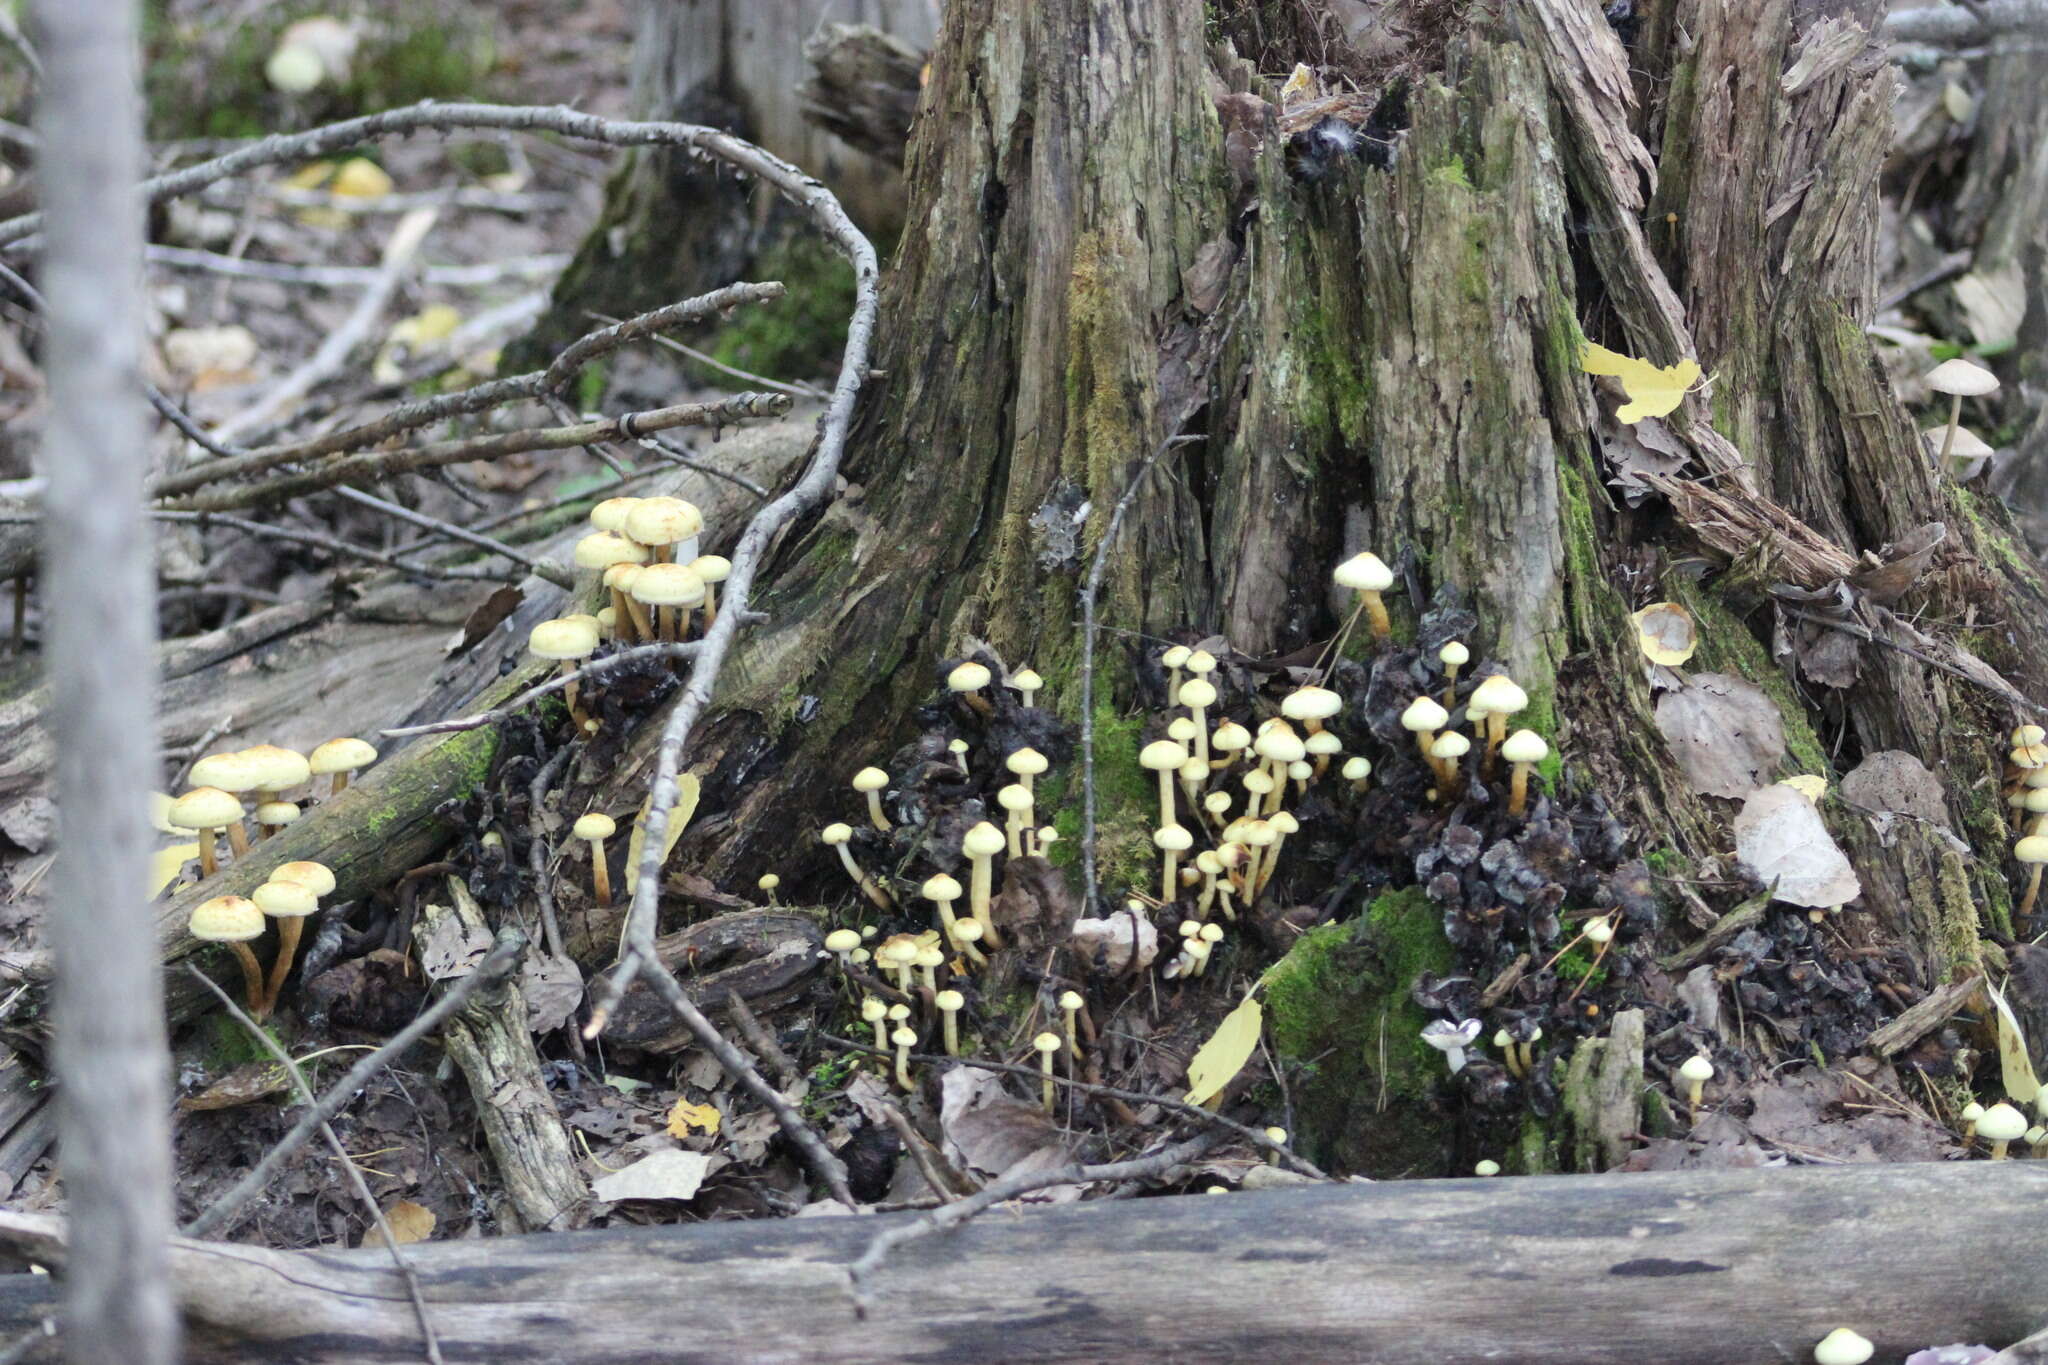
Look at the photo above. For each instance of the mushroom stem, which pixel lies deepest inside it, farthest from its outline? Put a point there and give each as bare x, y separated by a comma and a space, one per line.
1948, 437
252, 979
238, 839
1518, 788
873, 892
875, 816
208, 864
1169, 885
952, 1018
1166, 796
1376, 615
623, 620
569, 696
979, 886
2033, 890
600, 874
904, 1038
288, 930
710, 606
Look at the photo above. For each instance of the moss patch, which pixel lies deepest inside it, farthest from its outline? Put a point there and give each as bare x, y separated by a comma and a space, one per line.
798, 336
1339, 1013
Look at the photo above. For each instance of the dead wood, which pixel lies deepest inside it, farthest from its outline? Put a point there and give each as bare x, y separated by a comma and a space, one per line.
863, 87
1680, 1267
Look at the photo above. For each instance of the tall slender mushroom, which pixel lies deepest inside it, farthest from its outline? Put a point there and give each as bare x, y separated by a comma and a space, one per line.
950, 1004
841, 943
713, 570
966, 682
905, 1038
876, 1012
1368, 576
941, 890
2031, 851
1281, 748
1048, 1046
1016, 799
568, 642
837, 836
1499, 698
1070, 1006
234, 920
235, 775
1524, 749
1027, 764
1959, 379
1174, 658
1453, 656
1696, 1071
340, 758
288, 903
1173, 840
1164, 757
1198, 695
981, 844
206, 809
594, 828
1423, 719
1028, 683
871, 782
1447, 752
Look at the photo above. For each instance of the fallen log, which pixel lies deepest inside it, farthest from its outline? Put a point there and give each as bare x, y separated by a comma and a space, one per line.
1683, 1268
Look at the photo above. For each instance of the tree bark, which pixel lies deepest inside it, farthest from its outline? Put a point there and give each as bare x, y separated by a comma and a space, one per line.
112, 1060
1689, 1268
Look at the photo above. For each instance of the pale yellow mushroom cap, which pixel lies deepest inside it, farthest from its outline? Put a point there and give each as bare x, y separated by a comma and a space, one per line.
668, 585
277, 813
1301, 771
904, 1037
620, 577
1173, 838
1198, 692
601, 550
205, 808
1696, 1068
277, 768
983, 841
1175, 656
950, 1000
1259, 783
1211, 933
1498, 696
1424, 714
1230, 737
968, 931
1311, 703
1070, 1000
1455, 654
2029, 734
1284, 822
1486, 1167
2032, 849
1524, 746
1014, 798
872, 1009
1964, 445
1048, 1043
1357, 769
1843, 1347
234, 919
610, 515
870, 780
837, 833
768, 881
315, 877
940, 888
285, 900
2002, 1123
1181, 730
595, 825
1260, 833
1281, 746
930, 955
1026, 680
662, 521
1048, 836
1450, 744
1323, 743
230, 772
1201, 662
1162, 755
842, 940
1027, 763
1959, 376
968, 677
712, 568
1599, 931
563, 639
343, 755
1364, 572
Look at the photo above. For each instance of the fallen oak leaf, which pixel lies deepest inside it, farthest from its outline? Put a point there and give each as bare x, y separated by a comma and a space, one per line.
684, 1116
409, 1223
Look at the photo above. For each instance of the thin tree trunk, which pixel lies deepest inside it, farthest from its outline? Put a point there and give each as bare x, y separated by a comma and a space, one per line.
112, 1064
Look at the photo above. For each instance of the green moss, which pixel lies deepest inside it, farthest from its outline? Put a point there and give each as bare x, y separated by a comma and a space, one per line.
1339, 1014
1577, 965
225, 1044
1126, 804
590, 385
1450, 171
798, 336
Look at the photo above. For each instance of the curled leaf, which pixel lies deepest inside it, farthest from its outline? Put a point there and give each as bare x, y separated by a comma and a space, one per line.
1807, 785
1665, 633
1217, 1061
1653, 390
409, 1222
684, 1116
2016, 1066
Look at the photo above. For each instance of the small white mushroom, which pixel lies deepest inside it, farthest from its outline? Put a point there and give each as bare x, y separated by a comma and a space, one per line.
1451, 1037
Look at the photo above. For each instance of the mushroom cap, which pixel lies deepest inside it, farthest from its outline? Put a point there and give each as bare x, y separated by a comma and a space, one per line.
969, 931
1447, 1035
343, 755
668, 585
870, 780
205, 808
1230, 737
1364, 572
1194, 770
899, 1012
1175, 655
837, 833
1696, 1068
1014, 797
1965, 445
1026, 680
1048, 1043
1259, 833
842, 940
940, 888
285, 900
1972, 1112
1258, 782
1424, 714
1450, 744
1323, 743
712, 568
1181, 730
768, 881
235, 919
1301, 771
898, 949
602, 549
2034, 799
1201, 661
1070, 1000
1524, 746
1210, 933
950, 1000
983, 841
607, 620
620, 577
2029, 734
1502, 1038
277, 813
563, 639
1961, 378
1309, 703
2032, 849
968, 677
905, 1036
1162, 755
1486, 1167
1498, 696
2029, 756
1048, 835
929, 955
277, 768
1216, 802
1842, 1347
872, 1009
610, 515
1599, 931
1454, 654
594, 825
1198, 693
1173, 838
1357, 769
1280, 746
662, 521
315, 877
1284, 822
232, 772
958, 746
1027, 762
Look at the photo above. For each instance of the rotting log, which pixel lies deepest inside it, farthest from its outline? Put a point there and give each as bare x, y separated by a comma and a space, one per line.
1682, 1268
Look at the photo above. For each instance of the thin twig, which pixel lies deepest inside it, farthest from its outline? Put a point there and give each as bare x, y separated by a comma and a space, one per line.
537, 846
921, 1153
1256, 1136
761, 1040
1010, 1187
1090, 892
332, 545
430, 1338
352, 276
670, 453
553, 573
496, 965
638, 653
703, 358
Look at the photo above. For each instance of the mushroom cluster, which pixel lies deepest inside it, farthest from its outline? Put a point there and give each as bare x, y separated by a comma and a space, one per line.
233, 789
292, 893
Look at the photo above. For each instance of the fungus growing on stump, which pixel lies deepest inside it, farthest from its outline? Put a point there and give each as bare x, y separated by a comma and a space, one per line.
871, 782
1959, 379
288, 903
341, 758
234, 920
1165, 758
837, 836
594, 828
1524, 749
1048, 1045
2001, 1126
569, 642
966, 682
981, 844
2032, 852
206, 809
1423, 719
1365, 574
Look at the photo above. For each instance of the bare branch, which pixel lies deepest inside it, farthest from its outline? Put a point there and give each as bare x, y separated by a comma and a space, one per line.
638, 653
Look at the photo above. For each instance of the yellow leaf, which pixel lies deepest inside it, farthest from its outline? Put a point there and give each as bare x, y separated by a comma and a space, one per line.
1807, 785
687, 789
1301, 85
409, 1222
685, 1116
310, 176
2020, 1085
435, 322
361, 178
1665, 633
1226, 1052
1653, 390
164, 865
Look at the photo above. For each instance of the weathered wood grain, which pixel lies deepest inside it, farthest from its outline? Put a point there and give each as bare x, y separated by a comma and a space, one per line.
1681, 1268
